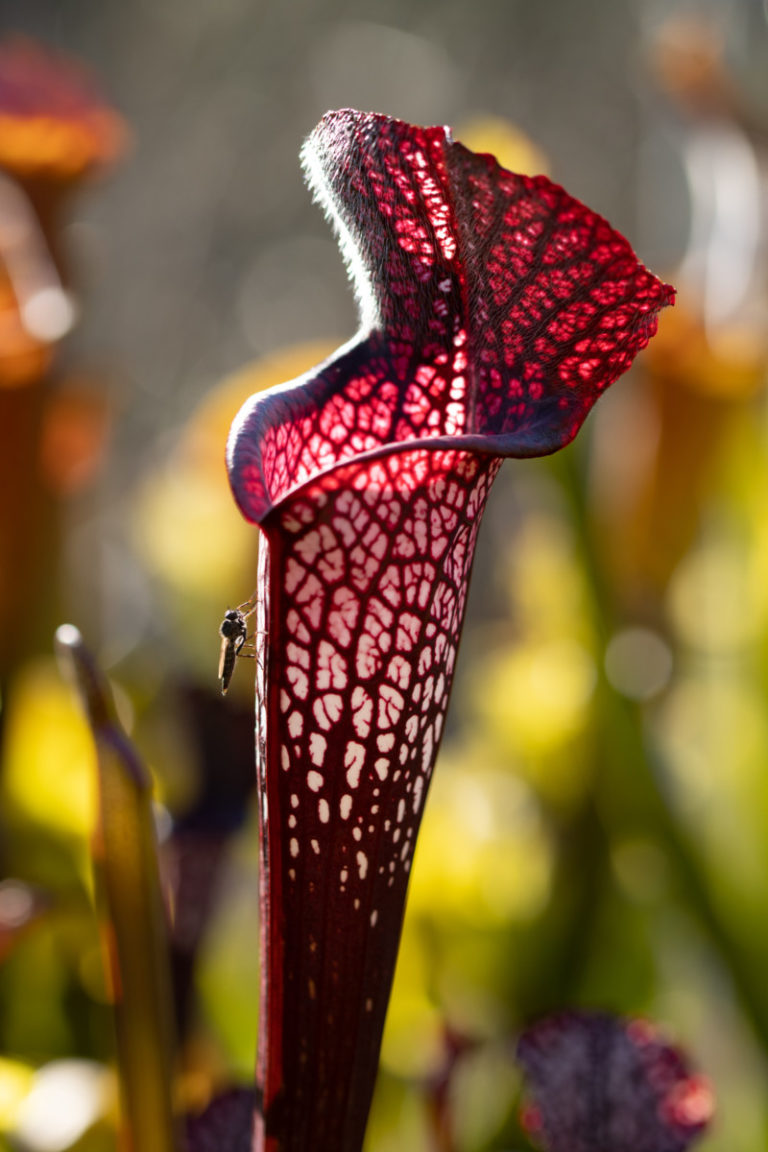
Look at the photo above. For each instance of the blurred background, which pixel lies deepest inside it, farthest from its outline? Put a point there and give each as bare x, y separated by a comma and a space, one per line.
597, 830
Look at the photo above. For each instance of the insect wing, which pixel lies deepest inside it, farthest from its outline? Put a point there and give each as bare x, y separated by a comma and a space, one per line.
226, 663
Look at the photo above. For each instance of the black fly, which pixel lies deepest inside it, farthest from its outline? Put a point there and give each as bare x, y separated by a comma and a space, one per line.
234, 635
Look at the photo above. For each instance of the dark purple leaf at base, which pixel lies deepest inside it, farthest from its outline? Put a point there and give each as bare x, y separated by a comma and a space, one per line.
226, 1125
602, 1084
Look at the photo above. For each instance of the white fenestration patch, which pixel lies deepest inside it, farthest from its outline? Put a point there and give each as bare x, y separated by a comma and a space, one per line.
418, 789
354, 759
295, 724
382, 767
317, 747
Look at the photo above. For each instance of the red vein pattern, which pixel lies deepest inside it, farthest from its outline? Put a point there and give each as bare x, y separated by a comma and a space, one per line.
602, 1082
494, 310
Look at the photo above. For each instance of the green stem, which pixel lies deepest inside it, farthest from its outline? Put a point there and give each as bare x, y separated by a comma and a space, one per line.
643, 772
133, 919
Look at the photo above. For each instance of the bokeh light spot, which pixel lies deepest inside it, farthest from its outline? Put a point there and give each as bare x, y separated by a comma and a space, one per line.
638, 663
67, 1097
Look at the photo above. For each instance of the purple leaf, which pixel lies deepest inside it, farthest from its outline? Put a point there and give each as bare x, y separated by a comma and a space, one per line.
226, 1125
602, 1084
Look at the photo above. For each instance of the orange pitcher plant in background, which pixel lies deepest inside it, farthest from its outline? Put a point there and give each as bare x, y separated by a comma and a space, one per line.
56, 132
